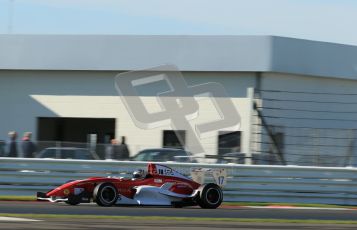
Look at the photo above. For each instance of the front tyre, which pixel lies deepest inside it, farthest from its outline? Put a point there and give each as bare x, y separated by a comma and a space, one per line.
210, 196
73, 200
105, 194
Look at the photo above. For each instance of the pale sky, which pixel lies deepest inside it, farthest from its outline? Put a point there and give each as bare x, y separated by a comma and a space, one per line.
323, 20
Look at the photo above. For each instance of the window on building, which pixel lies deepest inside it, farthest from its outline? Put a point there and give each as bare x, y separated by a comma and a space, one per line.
228, 142
174, 139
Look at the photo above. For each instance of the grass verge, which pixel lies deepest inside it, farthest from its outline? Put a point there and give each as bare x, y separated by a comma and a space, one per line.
17, 198
161, 218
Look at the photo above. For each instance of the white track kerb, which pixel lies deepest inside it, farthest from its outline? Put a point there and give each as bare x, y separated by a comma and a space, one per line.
15, 219
325, 185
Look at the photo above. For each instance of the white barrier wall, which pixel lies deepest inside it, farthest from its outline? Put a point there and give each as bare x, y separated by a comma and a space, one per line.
325, 185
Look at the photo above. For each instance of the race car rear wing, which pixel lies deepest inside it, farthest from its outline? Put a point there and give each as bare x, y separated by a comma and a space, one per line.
219, 175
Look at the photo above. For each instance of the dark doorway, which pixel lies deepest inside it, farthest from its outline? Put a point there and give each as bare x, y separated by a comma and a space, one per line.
228, 142
174, 139
75, 129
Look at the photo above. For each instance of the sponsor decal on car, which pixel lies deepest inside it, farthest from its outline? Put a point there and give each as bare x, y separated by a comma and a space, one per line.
78, 191
157, 180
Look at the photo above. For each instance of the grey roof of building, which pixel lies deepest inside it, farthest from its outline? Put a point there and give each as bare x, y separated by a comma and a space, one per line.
188, 53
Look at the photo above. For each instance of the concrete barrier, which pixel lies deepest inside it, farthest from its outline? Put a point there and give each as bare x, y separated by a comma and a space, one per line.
255, 183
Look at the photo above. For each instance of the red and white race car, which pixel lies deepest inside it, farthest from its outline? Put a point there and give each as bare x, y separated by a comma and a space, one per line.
160, 185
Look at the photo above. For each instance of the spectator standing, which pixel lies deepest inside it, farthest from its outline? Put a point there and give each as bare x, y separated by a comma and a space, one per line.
27, 146
2, 148
110, 150
11, 145
122, 150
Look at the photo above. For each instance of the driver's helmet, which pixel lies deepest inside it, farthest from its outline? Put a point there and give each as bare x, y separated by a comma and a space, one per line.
139, 174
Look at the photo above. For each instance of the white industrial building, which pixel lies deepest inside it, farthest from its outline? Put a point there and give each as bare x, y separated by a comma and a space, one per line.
61, 87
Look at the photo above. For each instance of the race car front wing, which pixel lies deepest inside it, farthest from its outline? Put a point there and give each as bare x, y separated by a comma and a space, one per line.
43, 196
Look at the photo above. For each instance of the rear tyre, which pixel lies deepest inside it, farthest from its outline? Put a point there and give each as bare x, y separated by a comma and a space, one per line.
210, 196
105, 194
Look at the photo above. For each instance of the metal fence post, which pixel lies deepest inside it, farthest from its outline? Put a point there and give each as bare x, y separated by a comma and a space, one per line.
248, 135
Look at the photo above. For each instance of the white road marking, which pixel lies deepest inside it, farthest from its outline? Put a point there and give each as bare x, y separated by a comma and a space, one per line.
15, 219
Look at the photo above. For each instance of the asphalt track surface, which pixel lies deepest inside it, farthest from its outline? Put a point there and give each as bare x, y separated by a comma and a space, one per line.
225, 212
